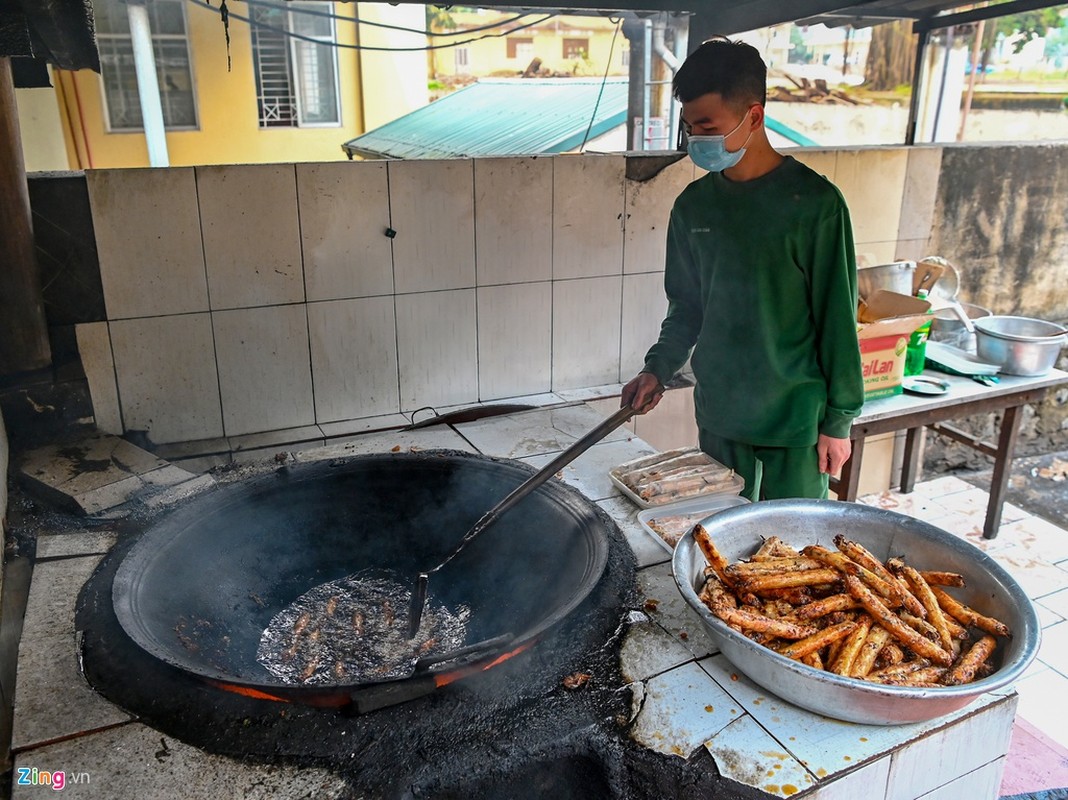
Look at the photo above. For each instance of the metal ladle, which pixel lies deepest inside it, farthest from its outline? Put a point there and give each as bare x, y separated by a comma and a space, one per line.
419, 592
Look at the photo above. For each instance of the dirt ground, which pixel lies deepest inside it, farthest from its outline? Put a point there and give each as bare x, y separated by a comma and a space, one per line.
1038, 484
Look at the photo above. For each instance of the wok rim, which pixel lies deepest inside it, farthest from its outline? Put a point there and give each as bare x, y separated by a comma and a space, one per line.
129, 577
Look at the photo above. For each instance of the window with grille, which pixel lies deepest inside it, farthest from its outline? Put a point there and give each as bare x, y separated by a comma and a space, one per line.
576, 48
521, 47
295, 62
118, 75
462, 58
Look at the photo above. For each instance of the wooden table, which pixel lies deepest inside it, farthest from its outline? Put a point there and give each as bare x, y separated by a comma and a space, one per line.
912, 413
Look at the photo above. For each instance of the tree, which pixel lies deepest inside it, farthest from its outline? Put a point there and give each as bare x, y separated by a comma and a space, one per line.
1029, 25
890, 56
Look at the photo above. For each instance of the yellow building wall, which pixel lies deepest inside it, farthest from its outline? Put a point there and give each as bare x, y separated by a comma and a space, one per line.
395, 83
489, 56
229, 131
43, 147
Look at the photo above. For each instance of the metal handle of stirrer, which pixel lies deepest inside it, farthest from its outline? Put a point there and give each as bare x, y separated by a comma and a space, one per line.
580, 446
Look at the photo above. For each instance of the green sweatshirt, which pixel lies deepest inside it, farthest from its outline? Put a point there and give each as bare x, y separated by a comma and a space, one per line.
761, 283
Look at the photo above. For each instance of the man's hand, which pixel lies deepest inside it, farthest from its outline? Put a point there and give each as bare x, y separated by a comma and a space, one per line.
642, 393
832, 453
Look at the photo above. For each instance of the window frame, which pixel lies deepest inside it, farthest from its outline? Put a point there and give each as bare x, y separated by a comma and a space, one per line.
128, 38
330, 43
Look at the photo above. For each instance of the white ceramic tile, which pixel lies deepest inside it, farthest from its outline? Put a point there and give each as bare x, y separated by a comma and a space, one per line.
437, 349
137, 761
943, 487
587, 216
354, 358
264, 368
148, 240
644, 307
589, 472
745, 753
251, 234
514, 339
648, 207
1057, 603
920, 192
432, 207
874, 253
829, 747
680, 710
437, 438
349, 427
530, 433
660, 598
344, 215
1035, 692
301, 437
1035, 536
586, 393
984, 782
648, 650
1045, 616
953, 751
821, 161
625, 514
586, 332
94, 347
54, 588
867, 178
868, 782
61, 466
1036, 576
512, 244
913, 504
912, 249
168, 383
1054, 647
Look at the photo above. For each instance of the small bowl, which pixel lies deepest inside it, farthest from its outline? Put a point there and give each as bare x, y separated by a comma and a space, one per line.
1019, 345
738, 532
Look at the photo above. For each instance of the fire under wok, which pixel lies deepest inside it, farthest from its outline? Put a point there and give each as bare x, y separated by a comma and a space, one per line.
204, 583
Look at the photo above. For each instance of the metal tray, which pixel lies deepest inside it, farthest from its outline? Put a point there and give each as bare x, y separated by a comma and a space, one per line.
700, 508
738, 532
736, 485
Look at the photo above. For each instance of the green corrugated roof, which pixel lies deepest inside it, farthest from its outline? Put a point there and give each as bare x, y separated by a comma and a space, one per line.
501, 117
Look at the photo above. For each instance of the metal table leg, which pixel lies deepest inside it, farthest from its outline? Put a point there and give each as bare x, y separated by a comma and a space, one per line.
910, 466
849, 481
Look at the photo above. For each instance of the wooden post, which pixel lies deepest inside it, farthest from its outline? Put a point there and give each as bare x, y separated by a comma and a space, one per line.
23, 330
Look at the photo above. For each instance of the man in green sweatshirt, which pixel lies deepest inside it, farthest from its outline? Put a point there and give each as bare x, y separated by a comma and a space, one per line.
761, 285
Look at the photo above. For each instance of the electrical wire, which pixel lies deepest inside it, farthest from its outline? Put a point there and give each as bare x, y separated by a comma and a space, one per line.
604, 80
311, 12
313, 40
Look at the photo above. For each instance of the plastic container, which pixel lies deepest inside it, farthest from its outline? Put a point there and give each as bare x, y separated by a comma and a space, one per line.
697, 509
917, 347
735, 486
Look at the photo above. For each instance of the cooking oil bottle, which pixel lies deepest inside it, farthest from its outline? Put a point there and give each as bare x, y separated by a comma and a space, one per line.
916, 353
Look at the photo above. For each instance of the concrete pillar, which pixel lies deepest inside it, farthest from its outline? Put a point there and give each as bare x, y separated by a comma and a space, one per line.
23, 330
148, 84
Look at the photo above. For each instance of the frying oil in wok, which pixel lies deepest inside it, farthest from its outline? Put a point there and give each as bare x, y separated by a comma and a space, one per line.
355, 630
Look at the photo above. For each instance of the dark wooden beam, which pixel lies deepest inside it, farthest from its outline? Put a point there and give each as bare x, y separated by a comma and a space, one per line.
23, 332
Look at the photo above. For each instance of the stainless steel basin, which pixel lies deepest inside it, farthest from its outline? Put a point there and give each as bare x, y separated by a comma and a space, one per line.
738, 532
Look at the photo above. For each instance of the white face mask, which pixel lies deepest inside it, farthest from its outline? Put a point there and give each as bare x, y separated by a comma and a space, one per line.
710, 152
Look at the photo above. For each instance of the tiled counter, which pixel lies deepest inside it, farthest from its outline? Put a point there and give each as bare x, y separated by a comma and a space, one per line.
686, 696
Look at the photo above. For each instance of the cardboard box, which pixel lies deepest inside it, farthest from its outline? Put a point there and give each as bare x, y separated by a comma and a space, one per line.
883, 343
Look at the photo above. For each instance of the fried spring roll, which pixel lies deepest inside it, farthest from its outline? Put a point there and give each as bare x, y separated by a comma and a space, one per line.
848, 566
965, 669
818, 640
813, 660
889, 620
773, 547
967, 616
712, 555
745, 569
826, 605
808, 577
721, 605
876, 639
934, 612
942, 578
899, 670
843, 663
862, 555
890, 655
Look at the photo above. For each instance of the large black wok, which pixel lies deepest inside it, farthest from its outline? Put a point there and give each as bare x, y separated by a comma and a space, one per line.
200, 586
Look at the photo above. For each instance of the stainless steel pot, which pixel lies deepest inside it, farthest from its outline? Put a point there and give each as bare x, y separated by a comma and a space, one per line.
1019, 345
895, 277
949, 328
738, 532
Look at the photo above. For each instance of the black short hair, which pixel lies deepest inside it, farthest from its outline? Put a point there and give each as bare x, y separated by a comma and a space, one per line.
733, 70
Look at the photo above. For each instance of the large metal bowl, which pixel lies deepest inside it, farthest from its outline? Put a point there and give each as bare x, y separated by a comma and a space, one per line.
738, 532
1019, 345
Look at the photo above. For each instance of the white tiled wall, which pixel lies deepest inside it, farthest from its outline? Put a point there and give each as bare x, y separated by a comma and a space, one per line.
265, 297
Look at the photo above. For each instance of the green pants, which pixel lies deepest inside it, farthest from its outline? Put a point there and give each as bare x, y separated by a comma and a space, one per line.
770, 473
